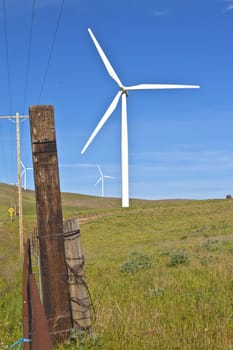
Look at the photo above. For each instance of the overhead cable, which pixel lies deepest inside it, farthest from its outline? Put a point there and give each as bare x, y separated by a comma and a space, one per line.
7, 56
51, 51
29, 56
9, 87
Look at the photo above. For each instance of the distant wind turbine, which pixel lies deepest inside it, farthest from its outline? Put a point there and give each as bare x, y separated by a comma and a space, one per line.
123, 93
24, 173
101, 178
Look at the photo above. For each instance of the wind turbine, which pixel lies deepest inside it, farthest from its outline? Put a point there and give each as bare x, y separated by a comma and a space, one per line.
101, 178
123, 93
24, 172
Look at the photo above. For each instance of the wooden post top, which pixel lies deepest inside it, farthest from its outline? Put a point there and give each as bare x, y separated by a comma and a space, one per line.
42, 124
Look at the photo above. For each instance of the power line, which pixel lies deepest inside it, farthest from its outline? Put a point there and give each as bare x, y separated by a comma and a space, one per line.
8, 80
51, 50
7, 56
28, 66
29, 56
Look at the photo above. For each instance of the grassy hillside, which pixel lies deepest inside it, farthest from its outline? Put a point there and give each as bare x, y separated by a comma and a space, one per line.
159, 272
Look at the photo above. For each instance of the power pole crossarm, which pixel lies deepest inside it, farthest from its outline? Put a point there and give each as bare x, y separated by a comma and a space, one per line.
14, 116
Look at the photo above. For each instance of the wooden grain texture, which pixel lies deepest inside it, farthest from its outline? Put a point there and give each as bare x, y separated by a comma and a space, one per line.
80, 303
50, 222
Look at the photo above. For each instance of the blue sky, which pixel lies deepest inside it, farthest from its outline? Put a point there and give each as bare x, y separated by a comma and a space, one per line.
180, 142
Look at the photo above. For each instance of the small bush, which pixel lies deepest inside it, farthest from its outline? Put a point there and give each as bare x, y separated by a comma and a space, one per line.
207, 259
178, 257
137, 261
80, 339
211, 244
164, 252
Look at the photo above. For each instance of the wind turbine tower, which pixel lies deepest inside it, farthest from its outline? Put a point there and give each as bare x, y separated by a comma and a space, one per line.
123, 93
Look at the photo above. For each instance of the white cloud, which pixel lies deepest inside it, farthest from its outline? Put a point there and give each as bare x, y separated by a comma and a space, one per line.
159, 13
207, 160
77, 165
183, 174
228, 5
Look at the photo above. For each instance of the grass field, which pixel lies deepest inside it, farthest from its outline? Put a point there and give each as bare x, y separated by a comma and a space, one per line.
160, 273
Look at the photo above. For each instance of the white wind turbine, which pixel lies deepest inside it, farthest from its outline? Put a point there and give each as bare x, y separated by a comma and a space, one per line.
123, 93
24, 173
101, 178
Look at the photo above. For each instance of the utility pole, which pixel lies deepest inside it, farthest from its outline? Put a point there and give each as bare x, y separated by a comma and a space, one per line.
54, 273
20, 200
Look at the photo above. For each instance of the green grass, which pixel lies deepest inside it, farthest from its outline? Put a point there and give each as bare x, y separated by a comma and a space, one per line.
159, 273
10, 288
186, 305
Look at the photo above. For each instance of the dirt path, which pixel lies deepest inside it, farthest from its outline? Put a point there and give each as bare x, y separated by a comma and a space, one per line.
88, 218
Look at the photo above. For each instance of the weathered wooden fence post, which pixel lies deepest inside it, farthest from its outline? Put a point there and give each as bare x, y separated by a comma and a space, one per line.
50, 222
80, 303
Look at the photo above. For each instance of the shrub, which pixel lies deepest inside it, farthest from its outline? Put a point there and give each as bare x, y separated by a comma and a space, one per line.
80, 340
211, 244
137, 261
207, 259
163, 252
178, 257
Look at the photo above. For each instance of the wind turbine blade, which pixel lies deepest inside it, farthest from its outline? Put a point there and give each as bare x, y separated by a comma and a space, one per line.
98, 181
108, 177
107, 64
105, 117
161, 86
100, 171
22, 164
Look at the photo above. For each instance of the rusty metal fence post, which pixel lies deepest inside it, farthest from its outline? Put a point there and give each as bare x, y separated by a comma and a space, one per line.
35, 326
26, 303
40, 332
